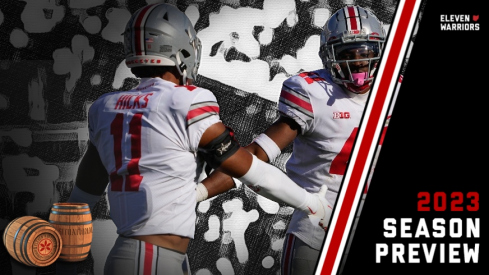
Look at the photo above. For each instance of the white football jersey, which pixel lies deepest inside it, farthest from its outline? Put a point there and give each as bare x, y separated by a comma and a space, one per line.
329, 118
148, 140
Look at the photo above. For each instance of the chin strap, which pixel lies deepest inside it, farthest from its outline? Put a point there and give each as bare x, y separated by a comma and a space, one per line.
182, 68
356, 89
373, 69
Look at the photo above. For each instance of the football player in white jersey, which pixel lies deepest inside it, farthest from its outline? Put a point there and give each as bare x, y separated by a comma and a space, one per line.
320, 112
148, 146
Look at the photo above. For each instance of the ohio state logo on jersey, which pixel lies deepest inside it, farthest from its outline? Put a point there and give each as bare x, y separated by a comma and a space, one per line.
338, 115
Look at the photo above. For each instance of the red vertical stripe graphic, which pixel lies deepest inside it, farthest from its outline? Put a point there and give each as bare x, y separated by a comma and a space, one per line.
148, 258
139, 30
344, 207
352, 18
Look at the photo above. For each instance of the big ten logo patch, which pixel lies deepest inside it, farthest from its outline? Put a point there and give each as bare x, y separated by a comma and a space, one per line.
339, 115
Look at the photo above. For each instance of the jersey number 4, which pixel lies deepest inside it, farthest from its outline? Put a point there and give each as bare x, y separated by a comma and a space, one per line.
338, 165
133, 177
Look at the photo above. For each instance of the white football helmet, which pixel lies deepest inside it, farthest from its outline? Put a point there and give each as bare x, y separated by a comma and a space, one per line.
352, 29
162, 35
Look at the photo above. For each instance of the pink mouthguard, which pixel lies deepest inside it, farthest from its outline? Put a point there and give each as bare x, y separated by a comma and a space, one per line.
359, 78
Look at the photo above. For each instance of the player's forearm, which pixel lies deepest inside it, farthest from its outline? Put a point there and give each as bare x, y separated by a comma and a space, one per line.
91, 175
217, 183
269, 145
256, 150
91, 179
270, 182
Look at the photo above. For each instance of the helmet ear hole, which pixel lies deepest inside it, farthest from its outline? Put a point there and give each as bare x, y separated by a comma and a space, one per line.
185, 53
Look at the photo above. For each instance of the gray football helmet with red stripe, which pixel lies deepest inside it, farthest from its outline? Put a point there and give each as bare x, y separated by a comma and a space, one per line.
352, 29
162, 35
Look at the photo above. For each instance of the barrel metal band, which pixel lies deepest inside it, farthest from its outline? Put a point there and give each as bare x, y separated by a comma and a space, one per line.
73, 255
69, 213
75, 246
7, 229
70, 223
70, 207
22, 239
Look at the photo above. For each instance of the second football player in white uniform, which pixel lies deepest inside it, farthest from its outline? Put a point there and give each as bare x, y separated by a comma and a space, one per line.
325, 118
320, 113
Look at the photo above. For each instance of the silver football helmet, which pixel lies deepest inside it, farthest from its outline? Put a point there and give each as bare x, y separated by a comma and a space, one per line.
162, 35
351, 45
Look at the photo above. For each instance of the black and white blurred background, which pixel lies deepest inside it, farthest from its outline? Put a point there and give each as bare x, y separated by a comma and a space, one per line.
58, 56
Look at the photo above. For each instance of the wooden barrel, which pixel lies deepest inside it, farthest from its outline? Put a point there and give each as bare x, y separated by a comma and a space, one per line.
32, 241
73, 221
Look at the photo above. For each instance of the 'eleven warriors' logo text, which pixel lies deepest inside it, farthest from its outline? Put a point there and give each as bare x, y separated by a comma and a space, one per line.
459, 22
